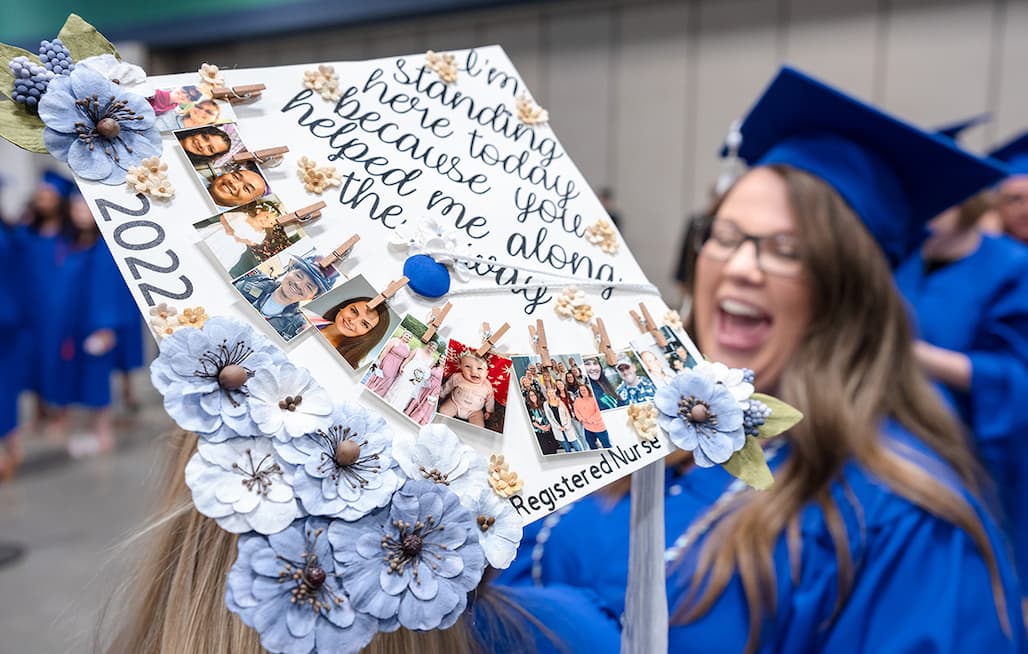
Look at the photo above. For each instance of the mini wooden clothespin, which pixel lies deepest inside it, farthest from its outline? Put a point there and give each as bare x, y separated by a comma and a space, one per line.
538, 334
260, 156
438, 316
603, 342
390, 291
304, 215
244, 93
489, 338
646, 323
340, 252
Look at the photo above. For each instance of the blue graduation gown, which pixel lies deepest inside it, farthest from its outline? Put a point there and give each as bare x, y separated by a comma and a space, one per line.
575, 619
920, 585
589, 544
979, 306
12, 351
129, 350
76, 300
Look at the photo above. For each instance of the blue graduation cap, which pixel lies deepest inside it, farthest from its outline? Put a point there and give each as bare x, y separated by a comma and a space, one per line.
954, 130
59, 183
893, 175
1014, 154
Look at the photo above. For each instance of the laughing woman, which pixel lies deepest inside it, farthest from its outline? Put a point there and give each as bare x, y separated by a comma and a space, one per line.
872, 538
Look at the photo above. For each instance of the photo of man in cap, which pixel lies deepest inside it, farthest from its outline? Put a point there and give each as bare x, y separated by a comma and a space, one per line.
635, 386
278, 298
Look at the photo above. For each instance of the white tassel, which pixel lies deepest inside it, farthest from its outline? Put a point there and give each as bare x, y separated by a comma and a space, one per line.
732, 167
646, 615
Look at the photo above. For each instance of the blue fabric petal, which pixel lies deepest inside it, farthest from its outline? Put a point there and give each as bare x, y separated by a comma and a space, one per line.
58, 144
89, 164
57, 107
300, 619
86, 83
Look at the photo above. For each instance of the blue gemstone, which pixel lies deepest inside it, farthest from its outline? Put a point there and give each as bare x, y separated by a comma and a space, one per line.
427, 277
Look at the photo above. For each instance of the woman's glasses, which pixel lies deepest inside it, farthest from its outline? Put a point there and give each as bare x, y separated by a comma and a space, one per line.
776, 254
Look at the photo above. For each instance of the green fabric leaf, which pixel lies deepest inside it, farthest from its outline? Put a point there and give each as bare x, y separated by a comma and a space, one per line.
749, 465
783, 417
8, 52
82, 39
21, 128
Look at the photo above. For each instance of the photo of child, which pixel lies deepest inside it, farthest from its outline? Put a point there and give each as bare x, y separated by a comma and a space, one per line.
355, 330
664, 362
278, 287
408, 373
247, 236
188, 106
475, 387
561, 404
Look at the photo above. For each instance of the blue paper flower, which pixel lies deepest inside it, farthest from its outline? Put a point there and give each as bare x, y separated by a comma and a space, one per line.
202, 375
701, 416
345, 470
98, 128
287, 586
242, 485
413, 563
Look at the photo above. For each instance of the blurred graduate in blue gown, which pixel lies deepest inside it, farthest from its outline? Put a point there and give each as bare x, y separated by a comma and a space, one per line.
76, 304
874, 537
38, 237
1012, 193
968, 292
12, 350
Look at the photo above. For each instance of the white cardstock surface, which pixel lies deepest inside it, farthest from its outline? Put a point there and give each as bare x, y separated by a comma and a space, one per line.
410, 147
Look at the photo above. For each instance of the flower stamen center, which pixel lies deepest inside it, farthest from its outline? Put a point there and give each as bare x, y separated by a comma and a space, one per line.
309, 577
343, 456
256, 474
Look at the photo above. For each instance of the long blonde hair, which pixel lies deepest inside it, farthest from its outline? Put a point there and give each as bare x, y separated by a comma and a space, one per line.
854, 368
175, 601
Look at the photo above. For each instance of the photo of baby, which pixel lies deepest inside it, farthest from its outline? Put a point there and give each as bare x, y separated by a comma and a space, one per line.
277, 287
188, 106
408, 373
355, 330
247, 236
664, 362
475, 387
210, 146
562, 407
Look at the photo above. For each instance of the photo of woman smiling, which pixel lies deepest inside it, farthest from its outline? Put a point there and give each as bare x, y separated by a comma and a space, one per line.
343, 318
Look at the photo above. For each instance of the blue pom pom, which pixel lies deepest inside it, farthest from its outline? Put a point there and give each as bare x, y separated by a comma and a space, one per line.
427, 277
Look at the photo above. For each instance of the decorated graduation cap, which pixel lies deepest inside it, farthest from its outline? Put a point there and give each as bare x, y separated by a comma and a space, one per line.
893, 175
955, 129
1014, 154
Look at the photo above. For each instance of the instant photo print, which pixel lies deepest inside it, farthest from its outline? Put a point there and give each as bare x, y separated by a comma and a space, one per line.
187, 106
345, 320
408, 372
247, 236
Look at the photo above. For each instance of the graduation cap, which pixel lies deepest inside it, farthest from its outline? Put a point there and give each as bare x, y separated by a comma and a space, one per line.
954, 130
893, 175
59, 183
1014, 154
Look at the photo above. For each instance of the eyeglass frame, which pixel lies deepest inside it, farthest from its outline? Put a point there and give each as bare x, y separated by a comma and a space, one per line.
701, 230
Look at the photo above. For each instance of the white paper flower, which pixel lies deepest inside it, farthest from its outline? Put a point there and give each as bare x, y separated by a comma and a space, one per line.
734, 379
498, 526
286, 402
437, 454
243, 485
431, 237
125, 75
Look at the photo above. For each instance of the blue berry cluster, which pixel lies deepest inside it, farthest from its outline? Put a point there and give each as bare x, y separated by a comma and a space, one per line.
754, 415
30, 82
55, 57
748, 376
